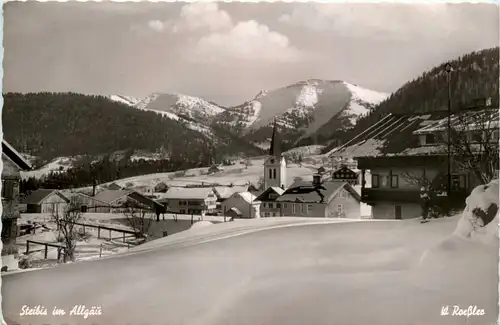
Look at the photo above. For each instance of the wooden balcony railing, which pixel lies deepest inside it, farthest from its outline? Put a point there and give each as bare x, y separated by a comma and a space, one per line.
372, 195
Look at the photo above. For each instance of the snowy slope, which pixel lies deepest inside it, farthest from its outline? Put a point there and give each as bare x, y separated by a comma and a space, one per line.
302, 109
127, 100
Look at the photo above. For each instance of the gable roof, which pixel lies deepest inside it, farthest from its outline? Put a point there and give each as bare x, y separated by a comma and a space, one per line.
188, 193
71, 195
109, 196
324, 193
15, 156
36, 197
224, 192
246, 196
397, 135
345, 169
274, 189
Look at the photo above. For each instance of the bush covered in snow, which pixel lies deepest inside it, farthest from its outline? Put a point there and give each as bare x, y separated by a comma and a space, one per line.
479, 221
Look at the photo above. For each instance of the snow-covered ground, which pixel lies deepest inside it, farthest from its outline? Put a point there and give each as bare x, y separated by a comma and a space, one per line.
366, 272
60, 164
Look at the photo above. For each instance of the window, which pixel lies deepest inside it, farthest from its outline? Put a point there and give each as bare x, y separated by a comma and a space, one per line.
264, 205
284, 205
375, 180
476, 136
293, 208
459, 182
430, 139
340, 209
494, 135
274, 214
270, 173
270, 205
278, 205
302, 208
273, 196
182, 203
8, 189
274, 173
394, 181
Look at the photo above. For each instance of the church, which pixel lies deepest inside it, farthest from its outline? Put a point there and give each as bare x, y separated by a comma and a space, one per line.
275, 164
318, 198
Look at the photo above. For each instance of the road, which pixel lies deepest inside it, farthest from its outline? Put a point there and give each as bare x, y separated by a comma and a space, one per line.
378, 273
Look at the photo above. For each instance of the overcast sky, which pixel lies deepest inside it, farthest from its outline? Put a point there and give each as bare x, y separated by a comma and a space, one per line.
228, 52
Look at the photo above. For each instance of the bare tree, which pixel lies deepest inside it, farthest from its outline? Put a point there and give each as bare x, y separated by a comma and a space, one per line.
138, 218
65, 221
474, 143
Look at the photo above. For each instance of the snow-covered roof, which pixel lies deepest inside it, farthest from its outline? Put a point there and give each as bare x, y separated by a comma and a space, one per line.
109, 196
247, 196
466, 119
308, 193
38, 196
15, 156
188, 193
225, 192
393, 135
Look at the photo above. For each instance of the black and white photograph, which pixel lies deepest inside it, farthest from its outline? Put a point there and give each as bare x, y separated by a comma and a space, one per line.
250, 163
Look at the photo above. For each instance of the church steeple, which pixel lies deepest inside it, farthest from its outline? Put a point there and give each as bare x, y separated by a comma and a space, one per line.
275, 148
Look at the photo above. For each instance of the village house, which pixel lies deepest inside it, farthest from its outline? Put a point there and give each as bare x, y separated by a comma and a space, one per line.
244, 204
161, 187
13, 164
329, 199
403, 152
117, 201
269, 207
194, 200
45, 201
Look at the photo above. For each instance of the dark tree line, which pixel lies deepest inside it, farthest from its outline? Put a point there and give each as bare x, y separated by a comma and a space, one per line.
476, 76
103, 171
50, 125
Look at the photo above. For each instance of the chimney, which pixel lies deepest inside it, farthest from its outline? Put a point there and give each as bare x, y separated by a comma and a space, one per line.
316, 179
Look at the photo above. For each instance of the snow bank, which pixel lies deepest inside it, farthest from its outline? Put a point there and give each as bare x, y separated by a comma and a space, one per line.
479, 221
201, 224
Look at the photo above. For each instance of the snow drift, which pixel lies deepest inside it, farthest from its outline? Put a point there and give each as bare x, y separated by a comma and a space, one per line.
479, 221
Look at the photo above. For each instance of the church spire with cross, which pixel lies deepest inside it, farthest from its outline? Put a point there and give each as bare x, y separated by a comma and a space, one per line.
275, 165
275, 148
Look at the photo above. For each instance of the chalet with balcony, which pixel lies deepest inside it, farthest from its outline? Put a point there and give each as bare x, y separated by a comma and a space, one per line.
269, 206
190, 200
320, 199
13, 164
405, 152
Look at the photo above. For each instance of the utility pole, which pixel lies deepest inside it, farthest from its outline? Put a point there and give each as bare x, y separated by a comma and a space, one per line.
449, 70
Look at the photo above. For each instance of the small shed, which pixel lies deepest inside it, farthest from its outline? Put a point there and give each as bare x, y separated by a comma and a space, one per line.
161, 188
45, 201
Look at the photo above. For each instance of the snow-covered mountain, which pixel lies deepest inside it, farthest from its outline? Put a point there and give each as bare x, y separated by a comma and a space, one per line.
188, 107
195, 113
302, 109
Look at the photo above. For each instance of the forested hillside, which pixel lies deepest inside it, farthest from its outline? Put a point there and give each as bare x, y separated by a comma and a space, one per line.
475, 75
50, 125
